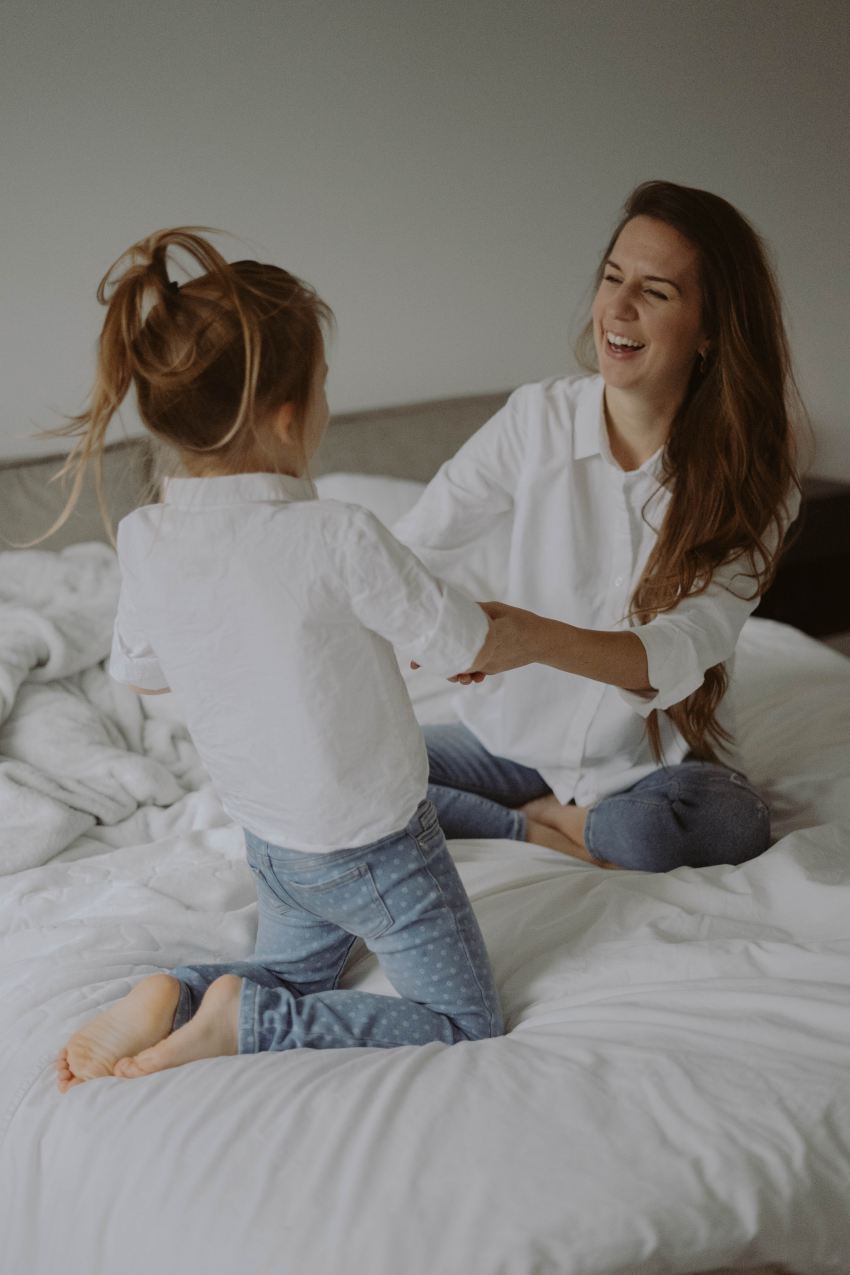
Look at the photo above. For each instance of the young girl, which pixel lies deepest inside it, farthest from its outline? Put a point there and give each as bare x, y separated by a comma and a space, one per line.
271, 614
646, 505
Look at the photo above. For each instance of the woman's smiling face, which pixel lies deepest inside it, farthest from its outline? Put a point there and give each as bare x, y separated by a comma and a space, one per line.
647, 312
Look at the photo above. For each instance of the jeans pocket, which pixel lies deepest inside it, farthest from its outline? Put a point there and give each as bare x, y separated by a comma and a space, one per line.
350, 900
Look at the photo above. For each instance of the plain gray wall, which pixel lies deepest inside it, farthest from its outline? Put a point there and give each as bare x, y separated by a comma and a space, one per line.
444, 173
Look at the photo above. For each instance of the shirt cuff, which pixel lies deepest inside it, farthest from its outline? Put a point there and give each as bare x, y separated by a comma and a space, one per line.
135, 670
672, 667
456, 638
146, 674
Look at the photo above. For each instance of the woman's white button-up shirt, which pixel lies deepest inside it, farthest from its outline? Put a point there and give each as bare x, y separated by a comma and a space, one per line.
272, 615
577, 531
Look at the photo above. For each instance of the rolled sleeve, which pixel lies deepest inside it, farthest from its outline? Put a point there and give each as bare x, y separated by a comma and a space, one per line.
674, 663
132, 659
393, 594
459, 632
703, 630
681, 645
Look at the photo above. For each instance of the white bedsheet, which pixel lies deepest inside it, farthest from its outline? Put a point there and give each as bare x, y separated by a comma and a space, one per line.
672, 1094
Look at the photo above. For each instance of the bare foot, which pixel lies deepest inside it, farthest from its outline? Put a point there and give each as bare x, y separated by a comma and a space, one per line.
212, 1033
568, 820
138, 1020
549, 823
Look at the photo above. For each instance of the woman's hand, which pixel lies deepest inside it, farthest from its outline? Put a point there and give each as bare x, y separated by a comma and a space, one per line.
512, 641
516, 638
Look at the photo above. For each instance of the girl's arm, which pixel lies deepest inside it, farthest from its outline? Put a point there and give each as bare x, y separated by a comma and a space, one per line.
132, 660
392, 593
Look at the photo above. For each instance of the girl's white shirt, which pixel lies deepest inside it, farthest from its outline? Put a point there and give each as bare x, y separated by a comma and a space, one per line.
271, 614
578, 530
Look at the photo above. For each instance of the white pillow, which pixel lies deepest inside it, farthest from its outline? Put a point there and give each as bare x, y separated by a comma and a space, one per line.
387, 498
791, 697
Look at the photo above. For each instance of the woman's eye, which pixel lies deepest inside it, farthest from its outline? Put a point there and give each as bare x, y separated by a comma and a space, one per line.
653, 292
610, 278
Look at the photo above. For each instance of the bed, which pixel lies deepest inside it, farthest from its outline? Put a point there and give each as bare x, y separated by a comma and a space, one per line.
672, 1094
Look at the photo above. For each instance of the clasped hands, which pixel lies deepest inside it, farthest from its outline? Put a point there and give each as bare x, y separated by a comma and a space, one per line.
510, 643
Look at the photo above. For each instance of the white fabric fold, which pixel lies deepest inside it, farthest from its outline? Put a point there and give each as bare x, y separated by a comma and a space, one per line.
76, 749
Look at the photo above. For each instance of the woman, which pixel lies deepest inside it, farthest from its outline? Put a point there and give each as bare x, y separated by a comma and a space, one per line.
647, 506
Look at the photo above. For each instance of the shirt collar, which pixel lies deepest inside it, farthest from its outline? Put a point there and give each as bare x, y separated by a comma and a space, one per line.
236, 489
589, 421
590, 433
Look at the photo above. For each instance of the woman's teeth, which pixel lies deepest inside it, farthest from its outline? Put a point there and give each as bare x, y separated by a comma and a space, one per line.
622, 342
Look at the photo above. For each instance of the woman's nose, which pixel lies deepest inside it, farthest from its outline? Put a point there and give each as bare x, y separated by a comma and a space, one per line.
622, 304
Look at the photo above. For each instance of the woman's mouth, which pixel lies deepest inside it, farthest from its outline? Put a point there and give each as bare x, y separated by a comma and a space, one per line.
621, 347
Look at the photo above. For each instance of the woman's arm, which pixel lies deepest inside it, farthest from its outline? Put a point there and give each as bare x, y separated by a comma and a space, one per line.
460, 525
520, 637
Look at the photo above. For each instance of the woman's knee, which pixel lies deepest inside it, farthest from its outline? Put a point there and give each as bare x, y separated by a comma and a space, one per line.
694, 816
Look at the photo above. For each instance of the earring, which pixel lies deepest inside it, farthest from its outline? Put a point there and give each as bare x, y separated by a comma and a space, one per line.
703, 360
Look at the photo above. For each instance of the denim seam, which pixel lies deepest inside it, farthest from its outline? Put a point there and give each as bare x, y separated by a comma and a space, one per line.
519, 817
248, 1017
459, 932
665, 801
473, 789
322, 858
588, 829
335, 984
182, 1009
661, 804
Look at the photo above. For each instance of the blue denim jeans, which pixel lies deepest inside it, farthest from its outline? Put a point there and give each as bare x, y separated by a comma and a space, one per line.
403, 896
693, 814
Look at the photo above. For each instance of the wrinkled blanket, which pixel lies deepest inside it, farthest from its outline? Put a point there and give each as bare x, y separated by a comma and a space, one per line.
76, 748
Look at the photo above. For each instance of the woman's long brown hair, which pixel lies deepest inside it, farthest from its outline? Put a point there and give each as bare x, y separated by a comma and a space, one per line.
208, 357
730, 460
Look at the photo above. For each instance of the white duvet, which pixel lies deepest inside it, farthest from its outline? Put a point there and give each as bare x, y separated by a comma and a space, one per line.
672, 1094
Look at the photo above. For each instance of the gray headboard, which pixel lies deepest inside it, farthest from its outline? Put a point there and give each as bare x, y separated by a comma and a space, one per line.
409, 441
